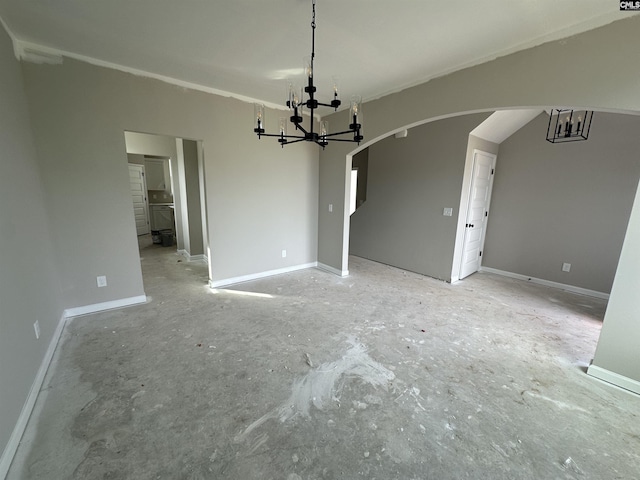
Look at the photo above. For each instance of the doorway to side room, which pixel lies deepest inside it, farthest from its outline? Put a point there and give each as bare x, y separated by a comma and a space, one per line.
173, 171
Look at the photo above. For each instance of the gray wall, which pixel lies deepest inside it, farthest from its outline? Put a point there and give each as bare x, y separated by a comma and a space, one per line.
602, 77
256, 190
569, 202
29, 286
192, 197
361, 163
77, 223
599, 63
410, 181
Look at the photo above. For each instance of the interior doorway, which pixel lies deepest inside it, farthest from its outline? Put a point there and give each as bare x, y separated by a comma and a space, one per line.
175, 197
475, 226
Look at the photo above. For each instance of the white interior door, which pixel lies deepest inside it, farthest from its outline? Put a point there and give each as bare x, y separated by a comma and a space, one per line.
477, 212
139, 197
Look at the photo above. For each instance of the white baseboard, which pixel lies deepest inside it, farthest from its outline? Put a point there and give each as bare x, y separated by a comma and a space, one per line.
27, 408
335, 271
548, 283
255, 276
100, 307
193, 258
614, 378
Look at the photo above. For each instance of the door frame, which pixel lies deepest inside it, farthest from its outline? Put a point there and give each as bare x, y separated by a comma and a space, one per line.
465, 198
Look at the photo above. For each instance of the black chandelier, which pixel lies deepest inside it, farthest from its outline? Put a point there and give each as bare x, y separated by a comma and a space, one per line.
295, 104
567, 125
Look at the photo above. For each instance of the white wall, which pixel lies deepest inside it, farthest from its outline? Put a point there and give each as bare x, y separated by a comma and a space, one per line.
29, 274
617, 358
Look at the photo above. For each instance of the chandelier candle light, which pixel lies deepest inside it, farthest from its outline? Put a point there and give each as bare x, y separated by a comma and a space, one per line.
295, 104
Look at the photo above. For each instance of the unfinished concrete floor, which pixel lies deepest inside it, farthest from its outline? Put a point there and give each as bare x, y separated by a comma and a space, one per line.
384, 374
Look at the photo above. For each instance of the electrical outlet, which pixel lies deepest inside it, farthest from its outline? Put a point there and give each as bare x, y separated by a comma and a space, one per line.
36, 328
331, 207
566, 267
102, 281
284, 253
447, 211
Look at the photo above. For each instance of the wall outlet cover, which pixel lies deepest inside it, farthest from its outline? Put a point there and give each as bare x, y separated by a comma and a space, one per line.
102, 281
447, 212
566, 267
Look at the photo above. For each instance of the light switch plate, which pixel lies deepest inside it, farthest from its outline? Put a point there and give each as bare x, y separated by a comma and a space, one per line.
447, 212
566, 267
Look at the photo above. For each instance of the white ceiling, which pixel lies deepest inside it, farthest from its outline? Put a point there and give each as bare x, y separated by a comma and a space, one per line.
249, 47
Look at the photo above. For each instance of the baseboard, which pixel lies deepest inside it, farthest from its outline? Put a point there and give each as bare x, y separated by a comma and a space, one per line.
548, 283
255, 276
21, 424
193, 258
614, 378
100, 307
335, 271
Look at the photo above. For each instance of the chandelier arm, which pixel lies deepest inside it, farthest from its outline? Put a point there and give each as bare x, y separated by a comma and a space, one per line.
304, 130
299, 139
325, 105
340, 133
342, 139
281, 136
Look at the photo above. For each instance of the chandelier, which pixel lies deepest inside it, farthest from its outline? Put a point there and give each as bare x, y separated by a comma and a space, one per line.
295, 104
566, 125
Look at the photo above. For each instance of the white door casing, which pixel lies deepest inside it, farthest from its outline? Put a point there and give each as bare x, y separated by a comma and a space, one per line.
477, 212
138, 189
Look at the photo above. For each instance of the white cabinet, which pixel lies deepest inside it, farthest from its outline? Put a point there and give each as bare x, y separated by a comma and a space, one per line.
162, 217
158, 174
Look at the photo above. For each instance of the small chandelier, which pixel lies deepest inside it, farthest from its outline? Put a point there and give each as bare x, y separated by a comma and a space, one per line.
295, 104
566, 125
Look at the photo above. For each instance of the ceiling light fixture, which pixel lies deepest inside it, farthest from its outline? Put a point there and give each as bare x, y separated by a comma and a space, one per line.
295, 104
566, 125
